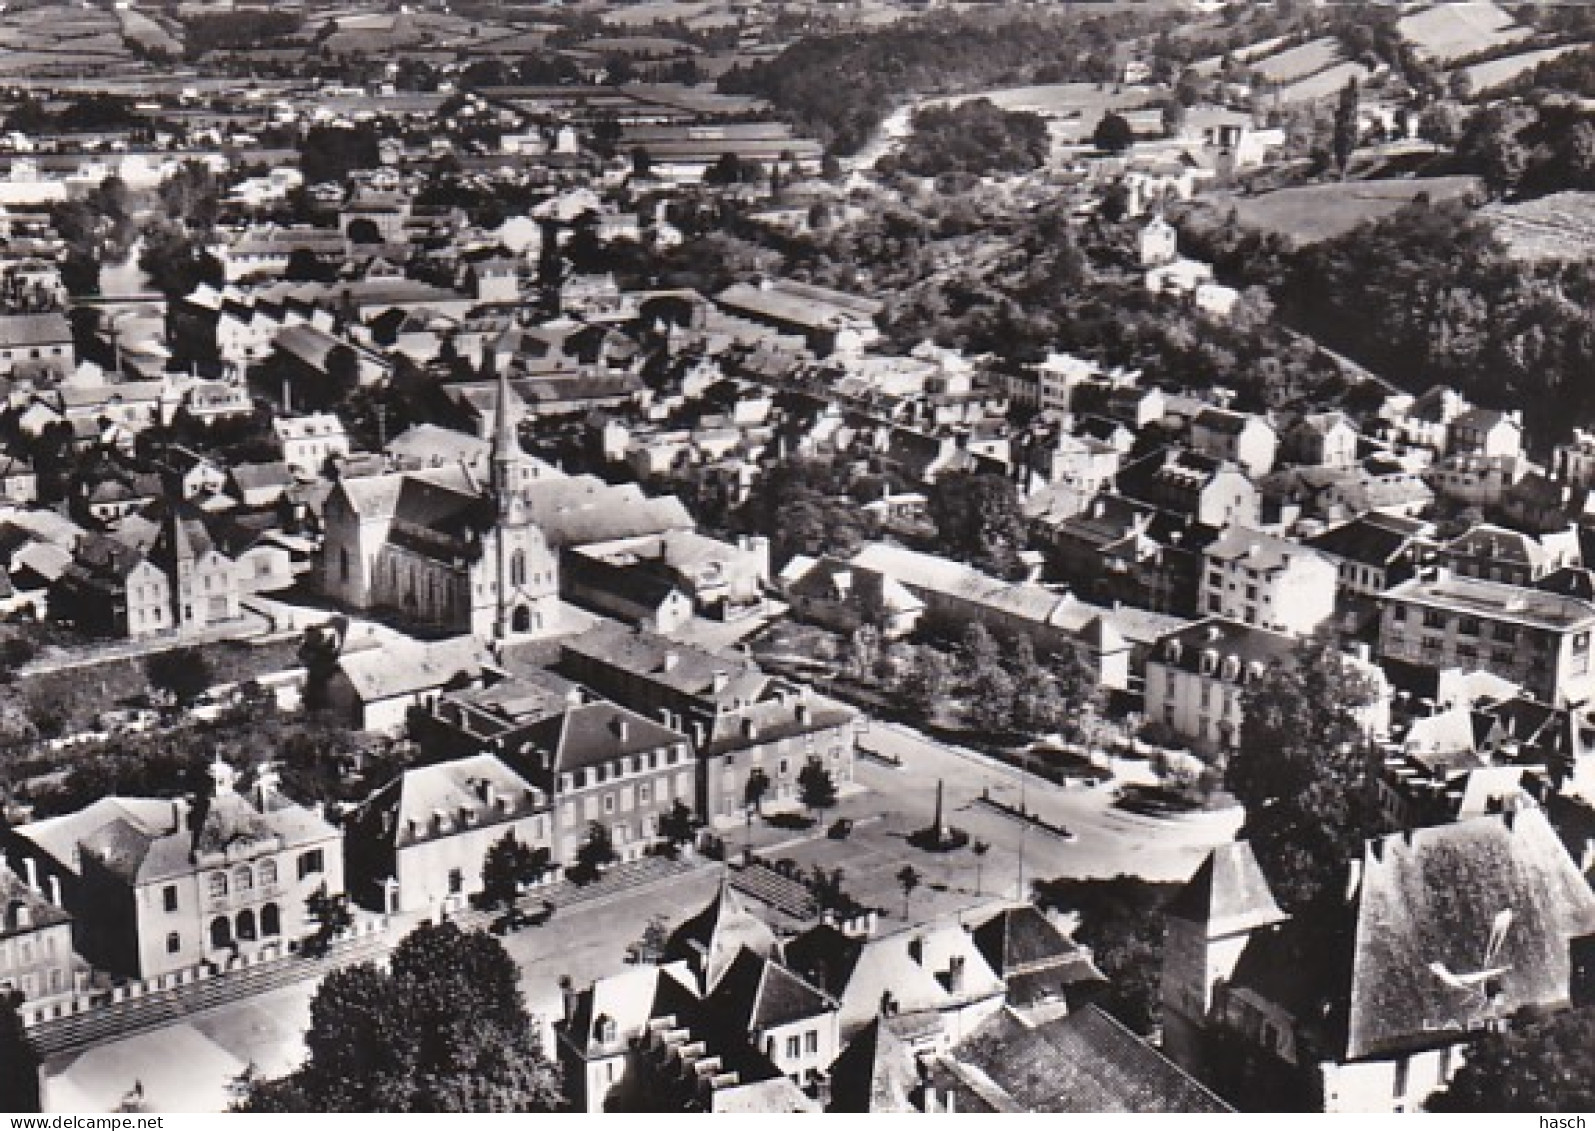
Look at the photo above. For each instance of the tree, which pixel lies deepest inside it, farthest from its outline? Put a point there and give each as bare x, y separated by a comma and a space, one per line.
19, 1059
1304, 771
1122, 922
1440, 123
364, 231
1113, 134
679, 825
182, 673
331, 915
980, 848
908, 878
507, 865
928, 681
443, 1029
642, 163
978, 518
816, 787
1347, 124
1174, 115
755, 790
990, 700
1538, 1066
597, 852
650, 948
305, 266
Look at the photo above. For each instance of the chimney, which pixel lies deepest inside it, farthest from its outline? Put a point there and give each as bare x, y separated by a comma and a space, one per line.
803, 714
1353, 879
267, 781
916, 949
722, 680
488, 792
179, 814
672, 658
31, 867
55, 890
622, 728
955, 974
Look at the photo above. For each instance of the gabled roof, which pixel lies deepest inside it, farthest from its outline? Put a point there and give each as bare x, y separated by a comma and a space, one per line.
596, 734
757, 994
1086, 1062
1442, 904
876, 1073
1021, 938
711, 940
1228, 894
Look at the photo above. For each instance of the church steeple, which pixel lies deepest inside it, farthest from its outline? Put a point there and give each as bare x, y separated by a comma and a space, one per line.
506, 449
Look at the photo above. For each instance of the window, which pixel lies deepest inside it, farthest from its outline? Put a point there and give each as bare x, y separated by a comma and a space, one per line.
609, 803
1468, 626
1399, 613
169, 897
243, 878
456, 881
518, 568
268, 873
644, 793
310, 863
1398, 1086
217, 885
1433, 618
794, 1047
811, 1041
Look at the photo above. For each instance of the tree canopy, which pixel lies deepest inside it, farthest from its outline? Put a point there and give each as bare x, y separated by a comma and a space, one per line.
1303, 771
976, 137
443, 1029
1541, 1066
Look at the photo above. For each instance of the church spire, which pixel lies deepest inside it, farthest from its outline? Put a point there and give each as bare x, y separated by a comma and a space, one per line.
506, 448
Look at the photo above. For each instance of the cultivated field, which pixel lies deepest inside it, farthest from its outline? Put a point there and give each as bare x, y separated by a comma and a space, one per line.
1312, 213
1559, 226
1324, 84
1455, 31
1073, 109
1212, 63
1299, 62
1497, 72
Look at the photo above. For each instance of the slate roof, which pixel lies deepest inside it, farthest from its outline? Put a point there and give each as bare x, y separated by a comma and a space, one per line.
1021, 939
451, 788
876, 1073
403, 667
1227, 894
1083, 1063
757, 994
1436, 896
41, 912
712, 940
595, 734
1371, 539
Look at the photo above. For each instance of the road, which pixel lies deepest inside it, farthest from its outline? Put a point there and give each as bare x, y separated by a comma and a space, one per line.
186, 1065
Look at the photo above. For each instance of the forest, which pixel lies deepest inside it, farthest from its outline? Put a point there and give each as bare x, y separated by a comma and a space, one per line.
976, 137
839, 88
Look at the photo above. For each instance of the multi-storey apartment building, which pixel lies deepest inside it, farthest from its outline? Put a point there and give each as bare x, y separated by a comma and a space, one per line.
1538, 640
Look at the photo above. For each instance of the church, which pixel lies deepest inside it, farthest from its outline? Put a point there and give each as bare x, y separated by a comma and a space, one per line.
445, 550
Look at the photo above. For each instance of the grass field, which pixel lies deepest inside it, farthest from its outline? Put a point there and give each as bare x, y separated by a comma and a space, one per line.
1559, 226
1312, 213
1324, 84
1496, 72
1298, 62
1454, 31
1074, 108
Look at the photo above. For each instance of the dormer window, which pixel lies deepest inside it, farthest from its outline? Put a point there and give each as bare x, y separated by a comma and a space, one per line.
607, 1030
1209, 662
1172, 650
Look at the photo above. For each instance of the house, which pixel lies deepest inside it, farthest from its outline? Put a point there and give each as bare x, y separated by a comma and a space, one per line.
1486, 432
308, 442
1473, 480
1453, 930
374, 688
1573, 462
36, 343
1196, 680
1235, 437
1046, 974
630, 577
599, 763
596, 1037
418, 844
110, 589
36, 955
1271, 582
156, 885
1158, 242
1198, 487
259, 484
1085, 1063
1320, 439
1494, 553
1536, 639
737, 718
1376, 551
828, 321
928, 983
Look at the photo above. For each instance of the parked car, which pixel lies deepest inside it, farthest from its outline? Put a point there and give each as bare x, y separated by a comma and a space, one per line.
841, 829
